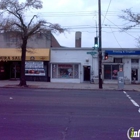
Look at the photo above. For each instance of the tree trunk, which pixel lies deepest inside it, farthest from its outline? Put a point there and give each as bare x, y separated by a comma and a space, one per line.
23, 58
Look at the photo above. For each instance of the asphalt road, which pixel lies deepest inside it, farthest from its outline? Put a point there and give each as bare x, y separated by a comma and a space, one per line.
35, 114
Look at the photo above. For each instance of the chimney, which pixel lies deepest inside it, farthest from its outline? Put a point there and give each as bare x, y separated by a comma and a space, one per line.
78, 39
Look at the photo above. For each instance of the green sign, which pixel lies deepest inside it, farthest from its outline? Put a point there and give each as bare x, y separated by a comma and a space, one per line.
92, 53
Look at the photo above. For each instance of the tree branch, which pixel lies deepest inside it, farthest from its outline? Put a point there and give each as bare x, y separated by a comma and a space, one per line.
31, 21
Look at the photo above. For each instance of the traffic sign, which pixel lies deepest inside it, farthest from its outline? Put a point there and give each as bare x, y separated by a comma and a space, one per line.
92, 53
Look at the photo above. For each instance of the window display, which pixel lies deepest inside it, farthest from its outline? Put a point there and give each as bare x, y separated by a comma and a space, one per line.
2, 69
111, 71
65, 71
35, 72
34, 68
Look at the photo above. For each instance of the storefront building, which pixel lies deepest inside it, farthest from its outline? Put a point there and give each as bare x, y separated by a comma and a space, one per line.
37, 56
36, 65
73, 65
77, 65
127, 60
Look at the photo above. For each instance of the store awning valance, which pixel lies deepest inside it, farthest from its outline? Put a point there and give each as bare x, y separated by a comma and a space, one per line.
14, 54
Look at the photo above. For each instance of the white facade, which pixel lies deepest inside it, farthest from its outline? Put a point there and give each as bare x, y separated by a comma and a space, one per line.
77, 60
130, 62
77, 57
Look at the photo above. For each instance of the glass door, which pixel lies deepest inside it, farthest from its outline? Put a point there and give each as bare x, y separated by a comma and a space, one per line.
15, 70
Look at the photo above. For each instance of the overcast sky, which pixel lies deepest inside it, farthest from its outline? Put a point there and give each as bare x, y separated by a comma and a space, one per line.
82, 15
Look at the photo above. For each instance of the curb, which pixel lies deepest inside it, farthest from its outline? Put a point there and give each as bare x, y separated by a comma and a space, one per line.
48, 88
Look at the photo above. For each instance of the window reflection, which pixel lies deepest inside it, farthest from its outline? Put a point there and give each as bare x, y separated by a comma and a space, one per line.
111, 71
65, 71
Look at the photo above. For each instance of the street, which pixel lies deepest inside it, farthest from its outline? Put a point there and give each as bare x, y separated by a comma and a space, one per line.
40, 114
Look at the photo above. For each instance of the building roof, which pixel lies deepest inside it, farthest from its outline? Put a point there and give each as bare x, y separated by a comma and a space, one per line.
54, 42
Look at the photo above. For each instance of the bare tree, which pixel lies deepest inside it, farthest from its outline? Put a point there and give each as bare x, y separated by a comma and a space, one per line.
133, 20
13, 20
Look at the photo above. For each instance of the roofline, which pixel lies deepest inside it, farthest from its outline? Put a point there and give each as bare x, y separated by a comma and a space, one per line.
120, 48
72, 48
90, 48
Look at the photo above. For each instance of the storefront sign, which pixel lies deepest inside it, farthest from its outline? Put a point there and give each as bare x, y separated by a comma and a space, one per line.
18, 58
122, 52
34, 65
10, 58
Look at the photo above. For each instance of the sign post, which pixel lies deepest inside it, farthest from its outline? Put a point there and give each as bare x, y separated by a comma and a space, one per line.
120, 80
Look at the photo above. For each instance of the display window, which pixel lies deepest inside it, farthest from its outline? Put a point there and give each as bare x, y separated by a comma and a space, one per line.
2, 69
111, 71
35, 72
65, 71
34, 68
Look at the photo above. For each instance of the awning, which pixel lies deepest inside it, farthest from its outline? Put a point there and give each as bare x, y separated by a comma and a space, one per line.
14, 54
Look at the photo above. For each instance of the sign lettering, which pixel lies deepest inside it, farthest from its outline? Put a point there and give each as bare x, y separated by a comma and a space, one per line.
10, 58
123, 52
18, 58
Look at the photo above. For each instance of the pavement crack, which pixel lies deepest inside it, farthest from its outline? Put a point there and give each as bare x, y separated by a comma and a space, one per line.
64, 133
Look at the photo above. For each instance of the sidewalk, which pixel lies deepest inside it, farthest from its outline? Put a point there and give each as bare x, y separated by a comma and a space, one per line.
48, 85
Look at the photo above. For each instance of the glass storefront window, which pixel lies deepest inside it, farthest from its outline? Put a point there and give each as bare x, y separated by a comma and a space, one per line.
33, 68
115, 69
107, 71
111, 71
65, 71
76, 73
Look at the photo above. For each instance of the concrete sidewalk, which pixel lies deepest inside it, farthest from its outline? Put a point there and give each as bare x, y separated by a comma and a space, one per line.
48, 85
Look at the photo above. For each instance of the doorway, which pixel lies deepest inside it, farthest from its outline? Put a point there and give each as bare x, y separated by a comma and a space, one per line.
15, 70
86, 70
134, 75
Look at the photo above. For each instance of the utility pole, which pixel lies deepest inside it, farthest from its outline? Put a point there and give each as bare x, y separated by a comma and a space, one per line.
96, 29
100, 45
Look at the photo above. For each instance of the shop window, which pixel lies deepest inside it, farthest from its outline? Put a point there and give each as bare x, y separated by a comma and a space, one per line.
107, 71
134, 60
111, 72
2, 69
115, 69
117, 60
65, 71
76, 73
34, 68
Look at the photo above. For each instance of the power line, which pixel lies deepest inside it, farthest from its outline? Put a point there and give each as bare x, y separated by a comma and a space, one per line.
90, 27
120, 28
74, 13
107, 11
111, 12
115, 38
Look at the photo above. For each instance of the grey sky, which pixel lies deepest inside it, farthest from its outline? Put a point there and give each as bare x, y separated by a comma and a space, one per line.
82, 15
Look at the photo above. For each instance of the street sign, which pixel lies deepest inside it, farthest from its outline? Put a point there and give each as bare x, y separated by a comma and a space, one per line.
92, 53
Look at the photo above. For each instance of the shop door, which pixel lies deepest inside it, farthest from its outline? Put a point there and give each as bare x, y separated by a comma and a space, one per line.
15, 70
134, 75
86, 73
